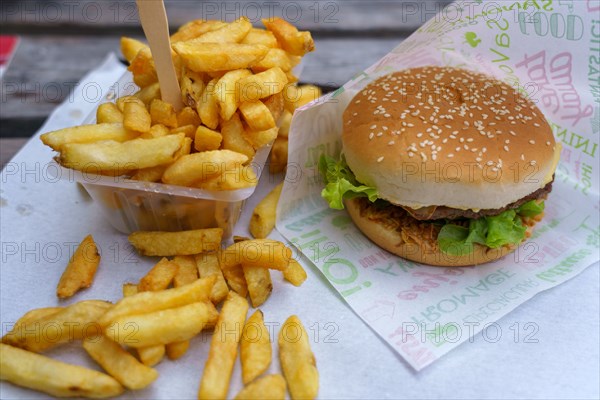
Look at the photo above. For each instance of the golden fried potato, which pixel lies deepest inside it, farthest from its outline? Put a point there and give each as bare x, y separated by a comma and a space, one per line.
87, 134
108, 113
81, 269
255, 348
268, 387
264, 215
291, 40
206, 139
163, 113
207, 57
176, 243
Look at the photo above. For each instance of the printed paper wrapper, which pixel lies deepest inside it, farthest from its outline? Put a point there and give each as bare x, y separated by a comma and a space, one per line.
548, 49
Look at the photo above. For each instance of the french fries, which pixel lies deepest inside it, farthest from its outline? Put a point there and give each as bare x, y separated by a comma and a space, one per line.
257, 115
53, 377
291, 40
108, 113
263, 217
88, 134
148, 302
223, 348
176, 243
110, 155
258, 280
186, 273
159, 277
262, 84
161, 327
279, 155
294, 273
297, 360
81, 269
255, 348
208, 266
74, 322
269, 387
193, 168
119, 363
222, 68
258, 252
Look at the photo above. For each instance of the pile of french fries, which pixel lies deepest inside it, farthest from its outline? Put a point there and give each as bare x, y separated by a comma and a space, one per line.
159, 315
239, 92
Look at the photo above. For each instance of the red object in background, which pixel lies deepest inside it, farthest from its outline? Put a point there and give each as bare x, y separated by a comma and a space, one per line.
8, 45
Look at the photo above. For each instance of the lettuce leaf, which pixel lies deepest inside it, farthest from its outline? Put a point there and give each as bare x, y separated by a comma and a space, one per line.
493, 232
340, 183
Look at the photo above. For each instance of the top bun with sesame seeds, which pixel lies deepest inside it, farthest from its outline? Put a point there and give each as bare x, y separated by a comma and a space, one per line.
439, 136
442, 166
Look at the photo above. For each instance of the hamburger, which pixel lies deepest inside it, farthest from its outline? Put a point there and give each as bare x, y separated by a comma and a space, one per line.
442, 166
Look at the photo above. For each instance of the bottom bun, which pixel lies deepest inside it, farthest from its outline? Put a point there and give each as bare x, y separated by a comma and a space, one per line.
409, 240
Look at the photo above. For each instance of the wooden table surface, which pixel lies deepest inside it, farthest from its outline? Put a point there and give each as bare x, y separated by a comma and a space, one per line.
61, 41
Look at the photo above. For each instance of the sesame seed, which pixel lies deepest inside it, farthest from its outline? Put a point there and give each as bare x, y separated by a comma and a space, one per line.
371, 135
391, 142
380, 159
531, 141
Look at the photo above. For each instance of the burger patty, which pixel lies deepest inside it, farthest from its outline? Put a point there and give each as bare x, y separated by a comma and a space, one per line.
443, 212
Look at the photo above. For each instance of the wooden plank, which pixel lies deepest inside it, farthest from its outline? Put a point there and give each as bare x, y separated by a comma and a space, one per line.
45, 70
316, 15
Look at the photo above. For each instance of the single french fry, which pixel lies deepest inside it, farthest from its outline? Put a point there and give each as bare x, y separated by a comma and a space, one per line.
187, 272
188, 130
264, 215
164, 113
119, 363
155, 131
176, 243
136, 117
159, 277
234, 275
255, 348
188, 116
297, 360
260, 138
110, 155
195, 28
236, 177
294, 273
206, 139
284, 124
291, 40
192, 87
198, 167
297, 96
274, 58
151, 355
87, 134
131, 47
260, 36
177, 350
233, 137
268, 387
230, 33
259, 284
81, 269
208, 266
143, 68
275, 104
149, 93
71, 323
208, 107
262, 84
227, 92
129, 289
265, 253
161, 327
54, 377
35, 315
108, 113
279, 156
257, 115
147, 302
223, 348
206, 57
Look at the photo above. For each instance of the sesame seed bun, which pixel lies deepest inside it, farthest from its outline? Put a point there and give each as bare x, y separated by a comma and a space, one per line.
411, 243
438, 136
